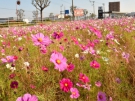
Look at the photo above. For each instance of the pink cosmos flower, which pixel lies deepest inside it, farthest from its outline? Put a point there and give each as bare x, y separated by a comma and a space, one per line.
83, 78
66, 84
57, 35
90, 44
85, 86
20, 49
110, 36
2, 51
62, 48
96, 41
83, 47
8, 59
43, 50
95, 64
70, 67
75, 40
44, 68
40, 39
11, 76
32, 86
27, 97
126, 56
74, 93
98, 83
59, 61
97, 32
92, 51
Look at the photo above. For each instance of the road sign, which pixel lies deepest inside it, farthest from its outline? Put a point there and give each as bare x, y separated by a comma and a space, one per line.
66, 11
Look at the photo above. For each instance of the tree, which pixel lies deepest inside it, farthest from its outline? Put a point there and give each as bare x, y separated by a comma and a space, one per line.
35, 15
85, 11
92, 15
20, 14
41, 5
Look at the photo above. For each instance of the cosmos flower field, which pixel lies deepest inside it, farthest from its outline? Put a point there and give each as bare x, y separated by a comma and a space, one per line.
91, 60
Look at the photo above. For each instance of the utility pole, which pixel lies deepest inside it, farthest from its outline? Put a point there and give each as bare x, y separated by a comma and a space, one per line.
93, 6
104, 9
73, 10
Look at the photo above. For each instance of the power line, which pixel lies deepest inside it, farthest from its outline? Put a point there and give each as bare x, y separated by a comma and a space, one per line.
24, 10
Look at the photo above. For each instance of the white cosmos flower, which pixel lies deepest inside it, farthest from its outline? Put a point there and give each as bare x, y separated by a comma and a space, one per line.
77, 55
20, 38
79, 39
108, 51
98, 52
85, 52
12, 69
8, 65
26, 64
105, 59
116, 41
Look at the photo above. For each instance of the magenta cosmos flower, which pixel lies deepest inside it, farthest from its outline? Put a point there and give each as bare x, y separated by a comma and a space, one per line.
83, 78
74, 93
27, 97
70, 67
59, 61
65, 84
101, 96
95, 64
57, 35
40, 39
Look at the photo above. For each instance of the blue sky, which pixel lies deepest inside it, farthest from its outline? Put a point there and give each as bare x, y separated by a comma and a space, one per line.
8, 7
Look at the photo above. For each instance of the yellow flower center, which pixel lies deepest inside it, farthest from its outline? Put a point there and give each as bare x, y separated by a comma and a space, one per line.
66, 84
40, 39
73, 93
83, 77
94, 64
58, 61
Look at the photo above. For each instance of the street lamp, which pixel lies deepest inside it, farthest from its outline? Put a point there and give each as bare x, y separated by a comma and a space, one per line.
61, 11
93, 7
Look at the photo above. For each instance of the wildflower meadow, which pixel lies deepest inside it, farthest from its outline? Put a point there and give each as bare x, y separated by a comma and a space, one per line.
92, 60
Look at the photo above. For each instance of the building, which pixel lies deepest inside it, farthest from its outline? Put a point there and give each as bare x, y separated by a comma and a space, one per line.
132, 14
114, 6
3, 20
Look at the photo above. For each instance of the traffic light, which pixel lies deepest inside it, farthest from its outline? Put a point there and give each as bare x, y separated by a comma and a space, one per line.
100, 14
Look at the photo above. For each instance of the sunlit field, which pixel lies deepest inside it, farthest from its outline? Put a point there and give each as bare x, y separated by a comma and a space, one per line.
91, 60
